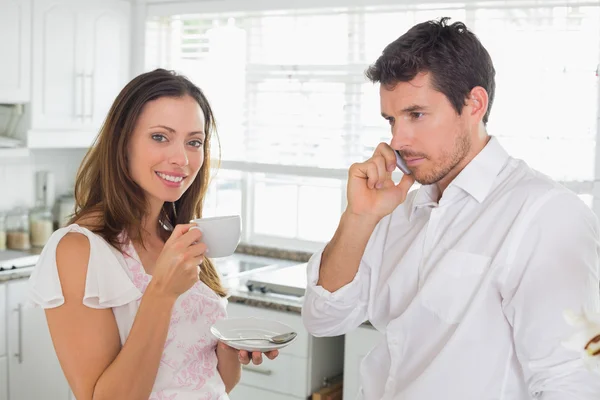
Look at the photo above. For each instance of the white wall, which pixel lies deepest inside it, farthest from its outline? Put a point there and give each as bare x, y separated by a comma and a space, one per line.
17, 175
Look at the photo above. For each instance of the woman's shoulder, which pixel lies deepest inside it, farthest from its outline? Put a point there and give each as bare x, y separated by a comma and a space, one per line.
76, 256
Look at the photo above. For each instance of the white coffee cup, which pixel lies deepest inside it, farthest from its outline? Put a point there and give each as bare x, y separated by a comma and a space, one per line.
220, 234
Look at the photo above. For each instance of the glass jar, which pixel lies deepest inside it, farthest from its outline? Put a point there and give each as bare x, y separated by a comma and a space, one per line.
2, 231
66, 208
17, 230
41, 225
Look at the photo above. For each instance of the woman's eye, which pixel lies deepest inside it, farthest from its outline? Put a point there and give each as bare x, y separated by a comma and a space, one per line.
158, 137
196, 143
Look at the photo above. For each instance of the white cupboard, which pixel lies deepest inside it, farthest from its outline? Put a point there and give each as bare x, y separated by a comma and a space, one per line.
15, 51
300, 368
81, 60
358, 344
33, 368
3, 378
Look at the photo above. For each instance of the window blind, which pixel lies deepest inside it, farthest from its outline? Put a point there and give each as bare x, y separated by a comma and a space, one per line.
290, 97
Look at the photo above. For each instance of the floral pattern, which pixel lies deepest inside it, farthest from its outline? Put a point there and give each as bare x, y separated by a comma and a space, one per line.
188, 366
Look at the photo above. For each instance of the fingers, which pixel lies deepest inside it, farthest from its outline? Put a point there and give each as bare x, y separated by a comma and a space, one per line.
178, 231
196, 250
404, 186
256, 356
374, 170
243, 357
190, 237
383, 174
389, 157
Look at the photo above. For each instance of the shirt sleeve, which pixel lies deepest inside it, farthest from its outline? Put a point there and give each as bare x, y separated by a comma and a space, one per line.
107, 284
327, 313
554, 267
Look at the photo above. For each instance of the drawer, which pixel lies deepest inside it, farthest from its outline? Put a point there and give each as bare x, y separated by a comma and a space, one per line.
285, 375
3, 331
299, 347
243, 392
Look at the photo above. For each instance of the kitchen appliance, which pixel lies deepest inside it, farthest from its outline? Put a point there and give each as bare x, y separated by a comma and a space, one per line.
10, 260
289, 281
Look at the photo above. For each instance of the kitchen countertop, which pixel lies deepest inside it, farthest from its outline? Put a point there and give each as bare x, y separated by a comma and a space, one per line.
269, 301
20, 273
238, 293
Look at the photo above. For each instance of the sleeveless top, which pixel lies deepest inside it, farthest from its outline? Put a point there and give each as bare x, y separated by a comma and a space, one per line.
117, 280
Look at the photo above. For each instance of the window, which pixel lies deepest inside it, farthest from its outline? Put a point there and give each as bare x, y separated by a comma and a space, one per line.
294, 109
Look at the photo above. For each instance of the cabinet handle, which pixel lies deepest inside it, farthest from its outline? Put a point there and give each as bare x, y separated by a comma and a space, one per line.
19, 353
257, 370
79, 78
91, 114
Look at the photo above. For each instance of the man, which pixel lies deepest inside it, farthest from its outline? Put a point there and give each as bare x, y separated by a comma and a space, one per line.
468, 276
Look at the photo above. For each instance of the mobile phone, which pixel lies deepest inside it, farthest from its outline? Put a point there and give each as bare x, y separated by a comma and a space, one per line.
400, 163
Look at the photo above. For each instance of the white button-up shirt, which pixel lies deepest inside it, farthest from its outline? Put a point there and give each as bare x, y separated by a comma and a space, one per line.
469, 292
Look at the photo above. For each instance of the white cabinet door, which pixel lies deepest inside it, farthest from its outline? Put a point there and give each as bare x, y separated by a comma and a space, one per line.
81, 61
15, 51
3, 378
358, 344
2, 319
243, 392
57, 66
107, 63
33, 369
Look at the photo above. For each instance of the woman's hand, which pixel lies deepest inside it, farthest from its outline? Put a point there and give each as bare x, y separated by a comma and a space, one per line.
177, 267
230, 362
256, 357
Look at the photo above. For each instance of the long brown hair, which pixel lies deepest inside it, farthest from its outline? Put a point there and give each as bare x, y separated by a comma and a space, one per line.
105, 192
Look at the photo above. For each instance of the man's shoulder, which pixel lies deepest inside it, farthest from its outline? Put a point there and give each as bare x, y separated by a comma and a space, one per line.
528, 187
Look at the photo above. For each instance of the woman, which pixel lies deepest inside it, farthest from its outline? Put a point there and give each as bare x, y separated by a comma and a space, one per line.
129, 300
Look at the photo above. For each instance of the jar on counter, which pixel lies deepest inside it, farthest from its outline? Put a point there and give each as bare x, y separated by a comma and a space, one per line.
2, 231
66, 208
41, 225
17, 230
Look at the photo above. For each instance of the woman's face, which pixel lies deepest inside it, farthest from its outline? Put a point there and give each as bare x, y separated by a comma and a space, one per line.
166, 149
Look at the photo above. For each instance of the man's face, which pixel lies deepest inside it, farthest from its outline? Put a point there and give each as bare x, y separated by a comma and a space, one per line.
431, 137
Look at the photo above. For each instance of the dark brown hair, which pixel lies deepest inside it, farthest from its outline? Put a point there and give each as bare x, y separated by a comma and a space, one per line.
105, 192
453, 55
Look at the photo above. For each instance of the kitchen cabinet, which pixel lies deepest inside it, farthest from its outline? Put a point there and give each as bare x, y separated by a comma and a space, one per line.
2, 320
15, 51
3, 378
33, 368
357, 345
300, 368
81, 58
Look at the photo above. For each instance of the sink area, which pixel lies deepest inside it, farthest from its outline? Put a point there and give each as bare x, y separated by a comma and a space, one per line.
236, 268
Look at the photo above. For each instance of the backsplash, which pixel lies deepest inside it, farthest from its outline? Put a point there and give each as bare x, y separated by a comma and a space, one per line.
18, 175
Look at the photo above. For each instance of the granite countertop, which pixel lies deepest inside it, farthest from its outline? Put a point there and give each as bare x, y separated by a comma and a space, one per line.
270, 301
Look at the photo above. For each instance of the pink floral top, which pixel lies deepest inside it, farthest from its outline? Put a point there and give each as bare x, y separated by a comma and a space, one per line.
188, 367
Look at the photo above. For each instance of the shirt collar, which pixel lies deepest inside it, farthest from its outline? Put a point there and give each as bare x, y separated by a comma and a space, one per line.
476, 179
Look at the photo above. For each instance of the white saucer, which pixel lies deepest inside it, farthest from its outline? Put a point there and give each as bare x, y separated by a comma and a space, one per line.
250, 327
